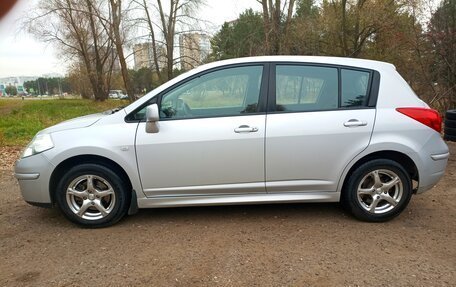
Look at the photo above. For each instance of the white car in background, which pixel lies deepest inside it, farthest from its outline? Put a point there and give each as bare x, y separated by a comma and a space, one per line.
274, 129
123, 97
116, 94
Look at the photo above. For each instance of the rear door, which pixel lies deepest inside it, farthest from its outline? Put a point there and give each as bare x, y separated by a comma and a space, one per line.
319, 119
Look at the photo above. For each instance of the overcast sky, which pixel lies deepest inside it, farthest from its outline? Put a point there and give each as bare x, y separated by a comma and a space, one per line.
22, 55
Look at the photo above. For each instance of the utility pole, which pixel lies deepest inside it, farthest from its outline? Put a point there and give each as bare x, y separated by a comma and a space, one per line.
39, 89
60, 89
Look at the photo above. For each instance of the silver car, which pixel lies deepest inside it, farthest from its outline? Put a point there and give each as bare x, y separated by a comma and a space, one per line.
272, 129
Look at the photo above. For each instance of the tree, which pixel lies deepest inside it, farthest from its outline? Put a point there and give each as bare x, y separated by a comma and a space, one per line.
348, 25
11, 90
48, 86
79, 81
180, 13
113, 22
276, 24
240, 38
305, 31
116, 13
306, 8
442, 36
73, 26
143, 80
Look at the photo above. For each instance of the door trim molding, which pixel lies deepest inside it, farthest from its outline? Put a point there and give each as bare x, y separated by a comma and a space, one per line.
200, 190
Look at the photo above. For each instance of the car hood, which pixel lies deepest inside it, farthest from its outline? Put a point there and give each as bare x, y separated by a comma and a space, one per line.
76, 123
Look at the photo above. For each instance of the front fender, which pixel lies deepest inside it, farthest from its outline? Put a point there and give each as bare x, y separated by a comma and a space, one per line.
114, 142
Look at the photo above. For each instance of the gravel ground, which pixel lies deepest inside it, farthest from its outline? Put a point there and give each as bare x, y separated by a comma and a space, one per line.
268, 245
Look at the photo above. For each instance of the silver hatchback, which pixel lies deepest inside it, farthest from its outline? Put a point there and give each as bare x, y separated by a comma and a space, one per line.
271, 129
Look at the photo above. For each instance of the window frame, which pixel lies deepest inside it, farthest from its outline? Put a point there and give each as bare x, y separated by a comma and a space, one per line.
372, 89
262, 98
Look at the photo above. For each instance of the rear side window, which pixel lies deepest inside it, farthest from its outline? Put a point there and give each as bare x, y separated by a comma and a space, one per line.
306, 88
355, 86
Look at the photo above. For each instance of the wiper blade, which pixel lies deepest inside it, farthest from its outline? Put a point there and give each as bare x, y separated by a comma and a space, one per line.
112, 111
115, 110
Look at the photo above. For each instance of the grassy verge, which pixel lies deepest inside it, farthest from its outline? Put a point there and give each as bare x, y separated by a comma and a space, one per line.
21, 120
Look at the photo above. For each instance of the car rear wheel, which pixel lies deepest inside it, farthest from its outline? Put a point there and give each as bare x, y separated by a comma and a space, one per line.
92, 195
377, 191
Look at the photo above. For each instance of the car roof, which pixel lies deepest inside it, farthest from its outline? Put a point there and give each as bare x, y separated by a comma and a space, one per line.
343, 61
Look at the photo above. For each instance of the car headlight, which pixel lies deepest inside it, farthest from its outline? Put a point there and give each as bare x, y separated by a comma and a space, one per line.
40, 143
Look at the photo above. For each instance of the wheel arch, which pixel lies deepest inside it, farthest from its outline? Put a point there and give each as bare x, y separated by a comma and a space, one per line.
399, 157
65, 165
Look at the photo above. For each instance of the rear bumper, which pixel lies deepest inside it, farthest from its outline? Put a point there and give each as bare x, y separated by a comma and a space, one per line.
433, 170
441, 156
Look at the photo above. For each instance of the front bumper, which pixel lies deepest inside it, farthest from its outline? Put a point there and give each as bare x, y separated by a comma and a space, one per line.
33, 174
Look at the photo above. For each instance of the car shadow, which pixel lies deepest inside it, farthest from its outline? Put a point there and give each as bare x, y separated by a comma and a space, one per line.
204, 215
308, 211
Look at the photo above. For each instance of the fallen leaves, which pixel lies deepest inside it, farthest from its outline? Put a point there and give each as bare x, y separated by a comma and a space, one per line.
8, 156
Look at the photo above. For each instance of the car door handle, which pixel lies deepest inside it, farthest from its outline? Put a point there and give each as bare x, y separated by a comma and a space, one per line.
354, 123
245, 129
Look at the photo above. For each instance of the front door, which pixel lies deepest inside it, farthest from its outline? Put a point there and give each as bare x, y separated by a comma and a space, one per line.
210, 139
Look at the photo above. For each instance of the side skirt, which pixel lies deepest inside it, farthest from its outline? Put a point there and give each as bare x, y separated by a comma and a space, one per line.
202, 200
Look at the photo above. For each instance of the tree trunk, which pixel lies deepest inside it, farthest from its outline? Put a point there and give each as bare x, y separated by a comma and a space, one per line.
266, 25
168, 33
276, 38
154, 45
116, 6
100, 93
344, 27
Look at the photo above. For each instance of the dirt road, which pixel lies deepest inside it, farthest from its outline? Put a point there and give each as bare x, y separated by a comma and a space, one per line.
269, 245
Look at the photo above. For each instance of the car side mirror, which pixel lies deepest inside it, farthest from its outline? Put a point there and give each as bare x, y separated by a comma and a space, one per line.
152, 118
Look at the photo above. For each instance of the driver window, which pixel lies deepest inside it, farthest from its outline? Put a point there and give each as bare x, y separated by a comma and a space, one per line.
227, 92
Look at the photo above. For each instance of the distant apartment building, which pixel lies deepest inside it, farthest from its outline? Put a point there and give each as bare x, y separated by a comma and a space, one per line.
17, 82
194, 49
144, 56
20, 90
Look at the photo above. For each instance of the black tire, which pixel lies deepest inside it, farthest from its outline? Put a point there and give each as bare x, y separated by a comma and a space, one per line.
117, 202
449, 138
450, 115
450, 131
450, 124
356, 205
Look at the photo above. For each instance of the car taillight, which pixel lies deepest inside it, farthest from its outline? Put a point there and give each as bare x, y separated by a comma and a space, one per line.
426, 116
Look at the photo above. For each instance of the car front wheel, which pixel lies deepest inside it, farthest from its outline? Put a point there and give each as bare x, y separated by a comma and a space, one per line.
92, 195
377, 191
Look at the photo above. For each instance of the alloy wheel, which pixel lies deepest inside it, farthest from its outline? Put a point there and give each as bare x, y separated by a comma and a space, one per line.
90, 197
380, 191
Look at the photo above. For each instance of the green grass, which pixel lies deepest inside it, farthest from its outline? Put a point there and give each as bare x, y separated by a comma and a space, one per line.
21, 120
